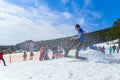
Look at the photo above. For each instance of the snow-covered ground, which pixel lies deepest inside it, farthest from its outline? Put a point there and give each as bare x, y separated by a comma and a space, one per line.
61, 69
98, 66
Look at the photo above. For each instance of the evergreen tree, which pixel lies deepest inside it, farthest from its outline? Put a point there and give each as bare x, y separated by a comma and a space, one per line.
116, 30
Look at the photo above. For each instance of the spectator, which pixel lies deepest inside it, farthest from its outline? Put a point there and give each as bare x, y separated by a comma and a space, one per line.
110, 50
103, 49
114, 48
95, 47
45, 53
60, 49
41, 54
54, 49
31, 56
24, 56
50, 54
1, 58
118, 49
99, 48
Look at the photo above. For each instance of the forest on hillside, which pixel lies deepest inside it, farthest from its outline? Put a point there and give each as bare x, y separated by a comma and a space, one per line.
104, 35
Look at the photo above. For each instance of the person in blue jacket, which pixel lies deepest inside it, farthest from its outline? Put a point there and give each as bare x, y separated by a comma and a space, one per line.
77, 41
110, 50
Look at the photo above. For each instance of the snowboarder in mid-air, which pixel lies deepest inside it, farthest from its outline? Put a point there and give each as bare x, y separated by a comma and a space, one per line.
76, 41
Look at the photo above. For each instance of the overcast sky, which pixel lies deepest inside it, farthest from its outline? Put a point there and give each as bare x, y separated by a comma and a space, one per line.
37, 20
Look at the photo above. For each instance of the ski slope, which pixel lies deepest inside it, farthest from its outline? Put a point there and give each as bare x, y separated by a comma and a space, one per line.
97, 67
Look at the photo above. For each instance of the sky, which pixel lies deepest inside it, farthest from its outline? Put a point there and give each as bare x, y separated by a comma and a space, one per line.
36, 20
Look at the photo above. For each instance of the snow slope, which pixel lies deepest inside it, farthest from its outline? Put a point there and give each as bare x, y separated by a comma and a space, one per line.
97, 67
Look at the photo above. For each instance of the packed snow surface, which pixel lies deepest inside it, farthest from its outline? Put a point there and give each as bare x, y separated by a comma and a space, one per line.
97, 67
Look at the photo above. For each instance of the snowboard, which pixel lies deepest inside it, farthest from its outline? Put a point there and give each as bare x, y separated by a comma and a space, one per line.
83, 58
80, 57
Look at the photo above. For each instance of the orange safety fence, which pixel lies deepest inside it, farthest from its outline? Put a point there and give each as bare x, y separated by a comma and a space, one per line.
18, 57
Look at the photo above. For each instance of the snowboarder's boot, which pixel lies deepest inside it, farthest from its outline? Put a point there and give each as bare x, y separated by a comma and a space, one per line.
66, 52
77, 54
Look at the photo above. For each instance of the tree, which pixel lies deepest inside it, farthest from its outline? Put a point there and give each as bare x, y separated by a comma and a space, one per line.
116, 30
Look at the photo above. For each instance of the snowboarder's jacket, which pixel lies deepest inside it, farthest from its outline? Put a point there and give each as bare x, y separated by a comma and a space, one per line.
82, 35
1, 55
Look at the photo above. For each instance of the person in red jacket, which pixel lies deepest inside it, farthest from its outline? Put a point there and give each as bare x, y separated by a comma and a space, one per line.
1, 58
41, 54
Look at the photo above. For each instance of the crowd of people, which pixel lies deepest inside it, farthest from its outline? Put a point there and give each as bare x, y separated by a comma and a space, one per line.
25, 56
46, 53
99, 48
112, 49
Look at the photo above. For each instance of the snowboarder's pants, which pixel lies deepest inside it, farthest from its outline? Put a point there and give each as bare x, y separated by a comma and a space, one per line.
75, 44
3, 61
